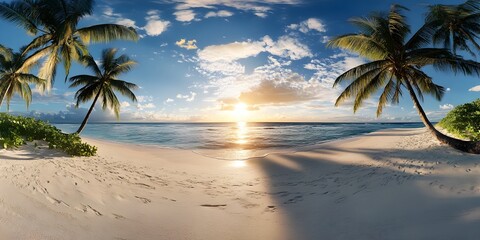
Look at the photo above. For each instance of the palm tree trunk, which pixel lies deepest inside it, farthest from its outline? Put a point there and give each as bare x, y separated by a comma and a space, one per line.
85, 120
465, 146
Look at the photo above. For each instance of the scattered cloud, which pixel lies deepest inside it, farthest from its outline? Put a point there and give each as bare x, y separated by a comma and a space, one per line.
124, 104
287, 47
311, 24
446, 106
143, 99
126, 22
221, 13
169, 100
188, 98
189, 45
475, 89
231, 51
223, 58
184, 15
259, 7
155, 26
149, 105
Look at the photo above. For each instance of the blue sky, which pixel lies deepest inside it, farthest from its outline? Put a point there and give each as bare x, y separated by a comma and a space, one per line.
236, 60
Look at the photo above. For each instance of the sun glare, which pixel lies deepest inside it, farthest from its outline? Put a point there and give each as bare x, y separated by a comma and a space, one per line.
240, 108
240, 112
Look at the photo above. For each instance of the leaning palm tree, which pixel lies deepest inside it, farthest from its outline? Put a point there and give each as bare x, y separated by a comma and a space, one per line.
13, 81
395, 65
456, 27
104, 83
58, 38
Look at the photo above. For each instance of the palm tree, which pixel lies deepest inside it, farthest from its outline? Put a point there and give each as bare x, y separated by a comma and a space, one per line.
59, 38
104, 83
455, 26
14, 81
396, 65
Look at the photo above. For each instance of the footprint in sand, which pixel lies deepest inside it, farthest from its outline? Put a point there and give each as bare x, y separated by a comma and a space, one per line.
118, 216
271, 208
214, 205
144, 200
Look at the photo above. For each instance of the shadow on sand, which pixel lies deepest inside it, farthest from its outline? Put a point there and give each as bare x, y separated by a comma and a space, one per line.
395, 194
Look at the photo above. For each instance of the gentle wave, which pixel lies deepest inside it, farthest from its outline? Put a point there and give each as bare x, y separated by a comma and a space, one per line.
230, 140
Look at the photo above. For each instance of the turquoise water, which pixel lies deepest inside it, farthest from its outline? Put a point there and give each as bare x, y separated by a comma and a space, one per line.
229, 140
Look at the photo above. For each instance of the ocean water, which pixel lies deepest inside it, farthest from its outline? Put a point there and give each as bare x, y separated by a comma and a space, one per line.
231, 141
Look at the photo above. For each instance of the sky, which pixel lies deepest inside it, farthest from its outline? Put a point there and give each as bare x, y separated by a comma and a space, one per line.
236, 60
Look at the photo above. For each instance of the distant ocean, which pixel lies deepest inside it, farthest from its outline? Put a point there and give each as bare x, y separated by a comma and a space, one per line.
229, 140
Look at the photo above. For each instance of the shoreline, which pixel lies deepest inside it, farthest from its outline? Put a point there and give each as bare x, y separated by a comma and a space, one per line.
264, 153
389, 184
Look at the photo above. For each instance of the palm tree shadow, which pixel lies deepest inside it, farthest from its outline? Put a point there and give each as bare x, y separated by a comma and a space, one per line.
26, 152
395, 194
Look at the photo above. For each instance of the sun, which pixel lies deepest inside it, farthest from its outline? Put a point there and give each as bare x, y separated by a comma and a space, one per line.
240, 108
240, 112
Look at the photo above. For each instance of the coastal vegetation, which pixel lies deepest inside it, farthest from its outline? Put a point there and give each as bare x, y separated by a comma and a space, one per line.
464, 121
396, 61
16, 131
58, 40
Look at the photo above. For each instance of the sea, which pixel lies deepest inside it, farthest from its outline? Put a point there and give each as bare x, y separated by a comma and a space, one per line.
229, 141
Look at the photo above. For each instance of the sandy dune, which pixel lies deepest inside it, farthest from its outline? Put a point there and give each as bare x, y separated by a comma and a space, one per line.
395, 184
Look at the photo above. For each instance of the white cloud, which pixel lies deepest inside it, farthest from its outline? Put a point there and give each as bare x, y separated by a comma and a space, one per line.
446, 106
475, 89
169, 100
124, 104
258, 7
126, 22
143, 99
188, 98
145, 106
223, 67
231, 51
155, 26
221, 13
189, 45
184, 15
311, 24
285, 46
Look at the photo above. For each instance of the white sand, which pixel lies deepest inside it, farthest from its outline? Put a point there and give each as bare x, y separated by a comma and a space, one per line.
395, 184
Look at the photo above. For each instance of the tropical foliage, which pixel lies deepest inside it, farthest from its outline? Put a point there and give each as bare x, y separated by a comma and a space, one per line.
395, 65
15, 80
103, 84
455, 27
15, 131
54, 23
464, 121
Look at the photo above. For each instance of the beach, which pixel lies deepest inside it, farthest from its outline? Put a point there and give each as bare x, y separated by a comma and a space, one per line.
389, 184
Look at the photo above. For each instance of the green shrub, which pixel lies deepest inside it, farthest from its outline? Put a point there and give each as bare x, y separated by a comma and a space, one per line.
464, 121
15, 131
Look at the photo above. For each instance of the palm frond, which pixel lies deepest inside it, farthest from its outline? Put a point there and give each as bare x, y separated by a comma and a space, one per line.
19, 12
358, 71
361, 44
388, 93
357, 85
107, 33
125, 88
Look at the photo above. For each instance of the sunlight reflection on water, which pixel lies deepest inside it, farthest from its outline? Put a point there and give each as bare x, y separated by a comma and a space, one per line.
231, 141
